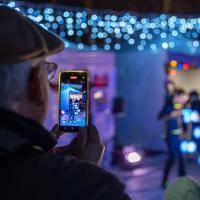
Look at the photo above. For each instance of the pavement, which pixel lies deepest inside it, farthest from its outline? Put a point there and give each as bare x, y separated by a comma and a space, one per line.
143, 183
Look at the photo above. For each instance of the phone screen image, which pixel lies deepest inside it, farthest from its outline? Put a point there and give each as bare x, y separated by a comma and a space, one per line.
73, 102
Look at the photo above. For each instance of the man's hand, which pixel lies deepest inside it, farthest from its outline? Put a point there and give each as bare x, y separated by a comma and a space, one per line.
87, 146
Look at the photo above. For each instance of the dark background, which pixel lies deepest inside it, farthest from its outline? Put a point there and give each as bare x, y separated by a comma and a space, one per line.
142, 6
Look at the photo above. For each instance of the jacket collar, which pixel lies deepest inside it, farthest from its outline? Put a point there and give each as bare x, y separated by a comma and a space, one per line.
16, 129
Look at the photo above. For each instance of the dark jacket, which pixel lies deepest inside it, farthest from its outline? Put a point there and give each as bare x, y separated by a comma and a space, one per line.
172, 123
29, 172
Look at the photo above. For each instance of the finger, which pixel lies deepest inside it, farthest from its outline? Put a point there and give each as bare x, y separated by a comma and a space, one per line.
55, 132
81, 138
94, 137
93, 134
54, 128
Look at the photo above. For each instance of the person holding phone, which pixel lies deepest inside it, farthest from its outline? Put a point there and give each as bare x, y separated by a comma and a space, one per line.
30, 165
174, 131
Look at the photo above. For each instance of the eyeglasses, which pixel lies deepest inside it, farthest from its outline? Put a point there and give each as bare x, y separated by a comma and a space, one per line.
51, 69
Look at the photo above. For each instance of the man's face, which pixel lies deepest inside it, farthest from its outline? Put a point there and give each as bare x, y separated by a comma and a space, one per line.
44, 92
38, 93
181, 99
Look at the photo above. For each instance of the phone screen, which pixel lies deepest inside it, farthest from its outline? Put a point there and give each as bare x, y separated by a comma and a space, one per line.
73, 108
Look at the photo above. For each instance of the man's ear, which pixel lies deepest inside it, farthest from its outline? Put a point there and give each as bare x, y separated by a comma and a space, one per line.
34, 89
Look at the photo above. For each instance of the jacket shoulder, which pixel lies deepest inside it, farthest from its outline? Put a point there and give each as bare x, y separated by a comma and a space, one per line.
80, 179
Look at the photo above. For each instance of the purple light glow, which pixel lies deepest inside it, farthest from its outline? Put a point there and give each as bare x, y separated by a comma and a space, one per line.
133, 157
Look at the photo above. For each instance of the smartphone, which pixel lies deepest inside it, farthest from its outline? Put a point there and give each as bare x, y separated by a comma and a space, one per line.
73, 100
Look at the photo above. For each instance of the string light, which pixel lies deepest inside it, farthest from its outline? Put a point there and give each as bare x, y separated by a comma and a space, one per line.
114, 29
178, 65
173, 63
173, 72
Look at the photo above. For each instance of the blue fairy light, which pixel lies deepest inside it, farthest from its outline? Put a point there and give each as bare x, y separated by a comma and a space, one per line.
18, 9
113, 18
51, 18
191, 147
163, 35
132, 20
79, 33
143, 36
79, 15
93, 36
118, 35
83, 25
94, 47
66, 44
196, 43
30, 11
62, 34
117, 30
116, 27
59, 18
131, 41
107, 47
48, 11
153, 47
122, 24
11, 4
165, 45
195, 35
175, 33
94, 17
143, 42
70, 20
66, 14
108, 40
94, 29
48, 25
107, 17
196, 132
70, 32
54, 26
100, 23
184, 146
171, 45
140, 48
130, 31
126, 36
100, 35
149, 36
80, 46
117, 46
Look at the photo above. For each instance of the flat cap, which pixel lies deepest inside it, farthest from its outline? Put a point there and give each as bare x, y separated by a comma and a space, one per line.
21, 39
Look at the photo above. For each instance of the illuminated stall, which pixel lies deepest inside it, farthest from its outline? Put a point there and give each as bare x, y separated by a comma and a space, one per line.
184, 71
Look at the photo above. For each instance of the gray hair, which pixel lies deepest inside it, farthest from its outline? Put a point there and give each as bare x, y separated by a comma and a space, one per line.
13, 81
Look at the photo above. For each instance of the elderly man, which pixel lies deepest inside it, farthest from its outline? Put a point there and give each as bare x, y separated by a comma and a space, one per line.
28, 168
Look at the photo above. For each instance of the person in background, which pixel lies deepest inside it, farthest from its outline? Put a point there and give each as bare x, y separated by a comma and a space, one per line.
194, 101
170, 89
193, 104
172, 115
30, 166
